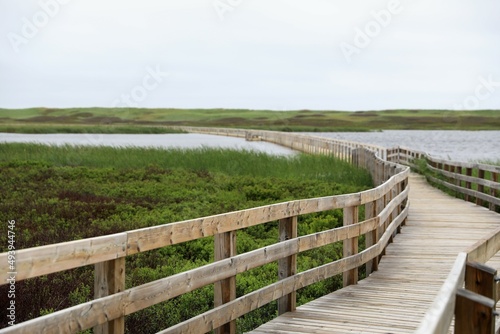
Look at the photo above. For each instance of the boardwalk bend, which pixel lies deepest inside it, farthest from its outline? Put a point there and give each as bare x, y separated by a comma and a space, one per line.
430, 258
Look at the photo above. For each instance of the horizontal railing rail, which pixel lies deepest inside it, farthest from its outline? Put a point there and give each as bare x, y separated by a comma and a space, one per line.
386, 209
296, 141
480, 294
472, 307
474, 182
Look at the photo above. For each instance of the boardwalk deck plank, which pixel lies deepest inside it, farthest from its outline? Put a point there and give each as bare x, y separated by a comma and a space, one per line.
395, 298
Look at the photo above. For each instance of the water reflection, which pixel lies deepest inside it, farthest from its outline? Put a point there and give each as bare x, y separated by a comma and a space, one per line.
146, 140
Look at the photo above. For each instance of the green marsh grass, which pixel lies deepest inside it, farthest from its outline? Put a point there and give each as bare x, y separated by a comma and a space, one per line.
94, 129
228, 161
65, 193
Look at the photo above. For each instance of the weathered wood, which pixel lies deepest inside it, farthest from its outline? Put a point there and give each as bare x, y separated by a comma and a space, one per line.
474, 313
391, 205
350, 245
109, 278
468, 192
287, 266
174, 233
480, 279
227, 312
438, 318
471, 165
370, 237
38, 261
485, 247
471, 179
121, 303
225, 290
74, 319
393, 298
494, 192
380, 204
468, 184
138, 298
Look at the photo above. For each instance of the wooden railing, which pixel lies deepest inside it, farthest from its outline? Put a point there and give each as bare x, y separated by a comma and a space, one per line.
474, 182
296, 141
470, 291
386, 209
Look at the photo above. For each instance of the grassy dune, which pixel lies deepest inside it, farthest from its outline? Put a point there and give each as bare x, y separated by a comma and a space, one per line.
133, 120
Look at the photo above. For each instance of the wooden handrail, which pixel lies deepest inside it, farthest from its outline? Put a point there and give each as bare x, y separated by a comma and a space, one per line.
457, 176
389, 209
438, 318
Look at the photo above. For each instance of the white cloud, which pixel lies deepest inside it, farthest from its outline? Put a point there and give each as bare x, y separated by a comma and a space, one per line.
264, 54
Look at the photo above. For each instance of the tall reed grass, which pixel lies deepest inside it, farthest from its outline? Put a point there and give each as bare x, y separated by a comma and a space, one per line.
228, 161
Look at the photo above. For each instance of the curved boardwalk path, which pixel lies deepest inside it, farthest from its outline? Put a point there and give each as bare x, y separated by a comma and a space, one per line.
395, 298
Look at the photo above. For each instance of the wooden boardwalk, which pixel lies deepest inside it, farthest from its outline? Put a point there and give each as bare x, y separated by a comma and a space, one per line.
395, 298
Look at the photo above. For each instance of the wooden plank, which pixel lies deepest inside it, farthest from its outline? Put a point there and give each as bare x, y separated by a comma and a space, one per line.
393, 204
409, 278
469, 165
174, 233
438, 318
38, 261
468, 192
232, 310
470, 179
485, 248
74, 319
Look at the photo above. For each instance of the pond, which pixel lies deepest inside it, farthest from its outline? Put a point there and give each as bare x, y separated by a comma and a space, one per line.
453, 145
146, 140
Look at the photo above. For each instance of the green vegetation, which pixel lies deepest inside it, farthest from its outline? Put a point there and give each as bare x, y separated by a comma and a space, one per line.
98, 129
31, 120
58, 194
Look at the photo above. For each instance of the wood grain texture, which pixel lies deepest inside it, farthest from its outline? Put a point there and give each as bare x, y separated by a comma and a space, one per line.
420, 265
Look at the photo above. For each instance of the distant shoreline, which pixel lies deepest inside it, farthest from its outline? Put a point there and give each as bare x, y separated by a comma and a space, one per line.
136, 120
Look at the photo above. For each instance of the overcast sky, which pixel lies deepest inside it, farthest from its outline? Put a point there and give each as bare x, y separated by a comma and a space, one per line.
256, 54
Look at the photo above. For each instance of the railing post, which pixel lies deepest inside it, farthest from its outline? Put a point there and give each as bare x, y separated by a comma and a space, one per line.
480, 279
398, 189
475, 305
468, 172
225, 290
458, 182
350, 245
288, 266
493, 191
109, 278
371, 238
474, 313
480, 187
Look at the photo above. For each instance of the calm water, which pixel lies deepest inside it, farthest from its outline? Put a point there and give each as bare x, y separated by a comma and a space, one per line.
146, 140
454, 145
